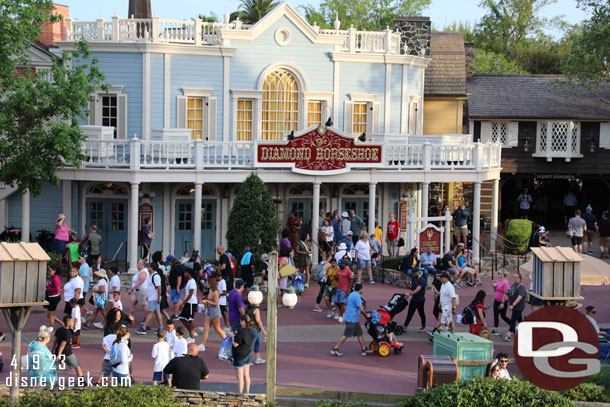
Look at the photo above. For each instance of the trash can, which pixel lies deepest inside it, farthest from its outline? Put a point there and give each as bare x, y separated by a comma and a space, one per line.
435, 370
464, 346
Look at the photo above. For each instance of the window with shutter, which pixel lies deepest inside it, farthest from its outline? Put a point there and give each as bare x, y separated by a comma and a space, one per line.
360, 118
314, 113
109, 109
244, 120
194, 116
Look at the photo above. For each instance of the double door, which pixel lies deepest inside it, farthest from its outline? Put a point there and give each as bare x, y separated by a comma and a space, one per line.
184, 227
110, 217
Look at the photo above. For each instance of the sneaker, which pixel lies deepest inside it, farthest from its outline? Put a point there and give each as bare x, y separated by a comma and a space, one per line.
157, 330
479, 283
98, 325
358, 282
76, 346
366, 351
430, 333
422, 330
227, 330
199, 329
85, 325
317, 309
194, 335
456, 285
470, 283
201, 347
141, 331
505, 338
340, 320
190, 340
335, 352
336, 316
174, 316
372, 282
2, 337
259, 361
306, 285
495, 333
149, 328
329, 315
88, 314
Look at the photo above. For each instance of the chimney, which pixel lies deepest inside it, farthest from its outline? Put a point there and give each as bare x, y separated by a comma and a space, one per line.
52, 32
139, 9
469, 49
415, 34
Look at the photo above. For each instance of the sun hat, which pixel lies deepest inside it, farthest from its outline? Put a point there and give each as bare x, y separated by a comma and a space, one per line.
344, 214
342, 246
101, 273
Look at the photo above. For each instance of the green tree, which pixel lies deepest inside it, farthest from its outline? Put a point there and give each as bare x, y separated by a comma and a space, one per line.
487, 62
212, 18
39, 117
588, 62
253, 219
250, 11
372, 15
541, 55
461, 27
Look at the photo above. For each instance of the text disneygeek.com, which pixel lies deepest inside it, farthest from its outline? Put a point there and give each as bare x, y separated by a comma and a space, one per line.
65, 382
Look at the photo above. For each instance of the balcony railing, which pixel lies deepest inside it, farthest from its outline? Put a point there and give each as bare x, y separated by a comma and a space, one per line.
138, 154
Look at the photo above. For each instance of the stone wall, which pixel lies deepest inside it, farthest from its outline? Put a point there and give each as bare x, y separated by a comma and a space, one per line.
415, 34
207, 398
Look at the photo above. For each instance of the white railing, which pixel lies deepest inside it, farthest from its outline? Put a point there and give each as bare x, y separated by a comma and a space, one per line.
198, 32
558, 139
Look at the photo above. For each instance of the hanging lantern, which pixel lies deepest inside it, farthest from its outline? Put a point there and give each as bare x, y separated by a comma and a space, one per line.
290, 299
255, 296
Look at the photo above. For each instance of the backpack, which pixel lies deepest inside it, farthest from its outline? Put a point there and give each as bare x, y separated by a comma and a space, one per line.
84, 248
468, 316
233, 265
114, 357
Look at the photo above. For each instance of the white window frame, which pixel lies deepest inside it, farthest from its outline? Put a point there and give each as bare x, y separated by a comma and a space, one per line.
544, 150
325, 100
209, 111
415, 116
95, 109
372, 113
257, 116
512, 132
604, 135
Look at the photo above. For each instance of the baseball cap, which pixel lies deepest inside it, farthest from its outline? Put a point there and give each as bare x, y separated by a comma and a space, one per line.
342, 246
169, 258
239, 283
350, 233
541, 229
444, 274
589, 208
264, 256
344, 214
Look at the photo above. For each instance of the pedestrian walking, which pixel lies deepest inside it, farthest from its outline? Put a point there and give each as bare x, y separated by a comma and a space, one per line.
352, 322
448, 300
41, 363
242, 352
212, 312
477, 306
139, 284
114, 285
224, 267
592, 229
363, 257
304, 251
146, 236
189, 305
525, 203
62, 346
258, 329
176, 282
53, 295
107, 342
94, 258
516, 301
356, 225
84, 271
578, 227
76, 323
153, 294
62, 237
293, 224
418, 299
161, 353
100, 297
604, 235
236, 305
122, 355
246, 265
72, 289
501, 287
344, 282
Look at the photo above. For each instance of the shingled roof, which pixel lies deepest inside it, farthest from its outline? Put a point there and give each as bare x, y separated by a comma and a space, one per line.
531, 97
446, 75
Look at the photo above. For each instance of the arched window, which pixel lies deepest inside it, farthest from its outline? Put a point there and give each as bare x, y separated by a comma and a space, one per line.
280, 104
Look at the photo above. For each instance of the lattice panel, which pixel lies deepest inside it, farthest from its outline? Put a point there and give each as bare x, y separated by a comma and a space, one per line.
575, 137
543, 136
559, 136
499, 132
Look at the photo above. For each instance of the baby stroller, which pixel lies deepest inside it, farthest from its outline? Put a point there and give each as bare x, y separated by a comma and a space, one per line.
380, 326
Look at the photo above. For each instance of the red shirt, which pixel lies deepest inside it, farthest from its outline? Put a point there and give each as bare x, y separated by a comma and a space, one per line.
344, 277
54, 286
293, 224
392, 230
476, 328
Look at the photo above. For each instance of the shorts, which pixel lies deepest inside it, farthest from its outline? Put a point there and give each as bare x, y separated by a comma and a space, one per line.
576, 240
92, 259
139, 296
588, 236
81, 301
175, 296
340, 297
160, 377
188, 312
106, 368
59, 246
604, 241
248, 279
329, 291
53, 301
364, 263
352, 329
223, 308
212, 312
153, 306
460, 231
446, 315
243, 362
392, 242
68, 309
71, 361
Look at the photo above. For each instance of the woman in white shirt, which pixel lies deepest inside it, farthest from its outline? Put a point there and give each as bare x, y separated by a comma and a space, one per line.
113, 285
329, 232
123, 355
99, 290
363, 256
591, 311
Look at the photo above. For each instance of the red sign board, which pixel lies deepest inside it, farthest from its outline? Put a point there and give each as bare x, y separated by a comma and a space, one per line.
430, 237
402, 215
146, 211
313, 152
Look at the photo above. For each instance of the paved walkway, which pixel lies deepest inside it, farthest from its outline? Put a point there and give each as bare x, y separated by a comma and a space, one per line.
304, 342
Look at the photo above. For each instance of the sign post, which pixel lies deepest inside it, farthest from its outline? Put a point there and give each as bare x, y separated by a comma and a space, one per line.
272, 326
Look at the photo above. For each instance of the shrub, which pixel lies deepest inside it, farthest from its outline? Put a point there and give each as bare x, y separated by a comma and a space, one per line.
391, 264
602, 379
587, 392
136, 396
518, 232
340, 403
486, 392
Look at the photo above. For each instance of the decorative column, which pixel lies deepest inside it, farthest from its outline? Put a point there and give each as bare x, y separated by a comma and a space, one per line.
315, 220
197, 217
494, 212
25, 216
448, 217
134, 229
166, 219
476, 222
372, 201
425, 186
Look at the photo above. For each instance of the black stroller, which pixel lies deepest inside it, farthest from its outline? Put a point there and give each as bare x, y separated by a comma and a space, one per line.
380, 325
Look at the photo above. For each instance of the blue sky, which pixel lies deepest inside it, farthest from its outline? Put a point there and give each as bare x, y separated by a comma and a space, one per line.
441, 12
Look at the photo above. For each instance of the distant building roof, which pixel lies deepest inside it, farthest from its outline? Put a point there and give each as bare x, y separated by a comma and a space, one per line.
446, 76
532, 97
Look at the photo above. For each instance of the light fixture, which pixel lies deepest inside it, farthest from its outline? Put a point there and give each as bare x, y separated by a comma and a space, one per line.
526, 144
291, 136
255, 296
591, 144
362, 136
329, 122
290, 299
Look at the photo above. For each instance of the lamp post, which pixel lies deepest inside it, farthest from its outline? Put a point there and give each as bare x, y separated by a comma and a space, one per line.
272, 326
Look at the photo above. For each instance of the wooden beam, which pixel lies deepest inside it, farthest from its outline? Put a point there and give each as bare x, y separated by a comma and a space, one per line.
272, 326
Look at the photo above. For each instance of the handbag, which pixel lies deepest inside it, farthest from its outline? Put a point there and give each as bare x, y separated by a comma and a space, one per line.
100, 301
226, 352
569, 233
286, 270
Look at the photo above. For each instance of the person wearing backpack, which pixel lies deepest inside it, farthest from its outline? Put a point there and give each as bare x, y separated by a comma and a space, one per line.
516, 301
476, 309
153, 293
121, 355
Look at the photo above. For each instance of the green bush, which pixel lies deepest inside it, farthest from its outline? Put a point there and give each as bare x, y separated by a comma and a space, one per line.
486, 392
587, 392
518, 233
391, 264
340, 403
136, 396
602, 379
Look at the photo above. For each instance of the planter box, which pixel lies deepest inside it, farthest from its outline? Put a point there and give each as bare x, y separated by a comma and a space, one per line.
464, 346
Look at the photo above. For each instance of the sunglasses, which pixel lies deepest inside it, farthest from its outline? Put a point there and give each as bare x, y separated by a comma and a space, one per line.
504, 361
593, 312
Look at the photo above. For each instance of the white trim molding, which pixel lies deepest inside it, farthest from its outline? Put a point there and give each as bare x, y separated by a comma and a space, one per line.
145, 96
283, 36
197, 92
167, 61
362, 97
256, 96
380, 59
289, 66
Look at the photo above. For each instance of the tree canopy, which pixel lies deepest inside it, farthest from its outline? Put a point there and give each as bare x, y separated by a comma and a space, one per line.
250, 11
38, 115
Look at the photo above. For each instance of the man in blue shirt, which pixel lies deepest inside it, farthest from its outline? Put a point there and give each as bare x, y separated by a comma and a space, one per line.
85, 273
427, 262
591, 221
460, 217
352, 325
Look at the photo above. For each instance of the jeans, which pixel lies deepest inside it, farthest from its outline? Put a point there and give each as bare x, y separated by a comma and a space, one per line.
517, 316
428, 270
235, 326
256, 342
500, 313
419, 306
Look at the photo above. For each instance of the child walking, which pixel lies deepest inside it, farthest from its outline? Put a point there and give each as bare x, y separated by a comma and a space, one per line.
180, 343
76, 317
162, 354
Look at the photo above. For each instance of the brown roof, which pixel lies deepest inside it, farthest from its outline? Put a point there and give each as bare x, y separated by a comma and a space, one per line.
446, 75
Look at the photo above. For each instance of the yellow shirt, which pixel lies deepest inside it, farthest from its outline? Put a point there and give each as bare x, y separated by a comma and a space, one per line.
379, 235
331, 276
